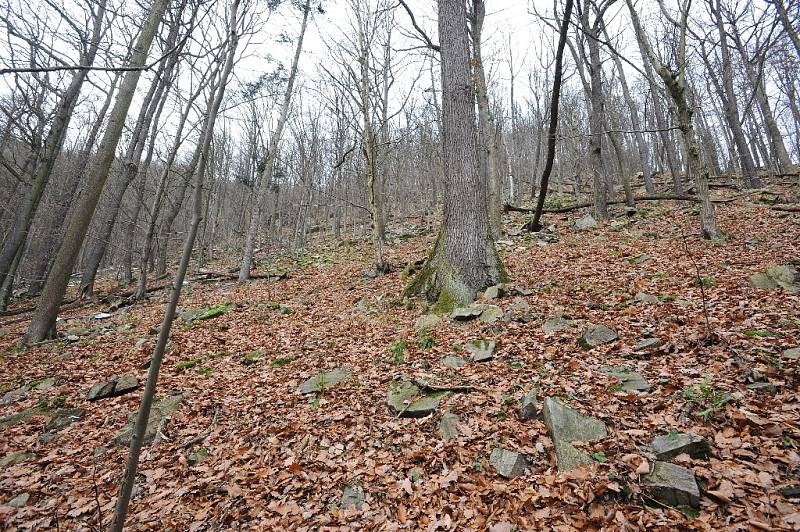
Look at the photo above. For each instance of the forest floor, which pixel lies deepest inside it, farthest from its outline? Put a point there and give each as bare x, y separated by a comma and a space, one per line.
264, 456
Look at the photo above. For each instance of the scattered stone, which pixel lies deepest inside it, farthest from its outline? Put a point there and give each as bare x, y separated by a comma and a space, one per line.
44, 384
672, 485
353, 495
113, 388
481, 350
785, 277
406, 400
646, 344
792, 354
646, 298
427, 322
508, 464
522, 291
493, 292
19, 501
491, 313
520, 305
324, 381
554, 325
596, 335
791, 492
639, 259
448, 426
630, 380
16, 458
764, 387
64, 417
197, 457
160, 411
466, 313
15, 395
566, 426
102, 316
585, 223
669, 446
453, 361
530, 405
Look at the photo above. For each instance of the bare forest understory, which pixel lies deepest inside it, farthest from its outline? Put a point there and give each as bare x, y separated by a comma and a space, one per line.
243, 448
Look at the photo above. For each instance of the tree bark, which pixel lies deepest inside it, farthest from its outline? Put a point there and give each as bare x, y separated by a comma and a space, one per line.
43, 322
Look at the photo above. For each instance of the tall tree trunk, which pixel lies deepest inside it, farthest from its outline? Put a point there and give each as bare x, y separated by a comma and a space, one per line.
464, 259
43, 322
50, 151
266, 182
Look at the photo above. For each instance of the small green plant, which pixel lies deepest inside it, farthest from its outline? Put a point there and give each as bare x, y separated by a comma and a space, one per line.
787, 441
673, 433
616, 387
705, 398
706, 281
456, 347
213, 312
252, 357
205, 371
599, 457
426, 341
759, 333
279, 362
398, 350
187, 364
316, 402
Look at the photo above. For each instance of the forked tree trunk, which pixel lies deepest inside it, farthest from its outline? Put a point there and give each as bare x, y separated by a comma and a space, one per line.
464, 259
44, 319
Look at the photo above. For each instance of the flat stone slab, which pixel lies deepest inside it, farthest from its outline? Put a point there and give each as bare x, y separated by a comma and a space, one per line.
64, 417
466, 313
566, 426
493, 292
16, 458
641, 297
491, 313
784, 277
767, 387
453, 361
586, 222
669, 446
481, 350
792, 354
530, 405
646, 344
508, 464
352, 496
324, 381
672, 485
595, 335
15, 395
630, 380
406, 399
160, 410
448, 426
554, 325
113, 388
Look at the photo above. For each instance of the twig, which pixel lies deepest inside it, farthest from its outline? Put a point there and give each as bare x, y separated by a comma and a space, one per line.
709, 334
202, 436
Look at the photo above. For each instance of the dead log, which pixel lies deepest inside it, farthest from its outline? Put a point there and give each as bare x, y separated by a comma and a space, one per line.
511, 208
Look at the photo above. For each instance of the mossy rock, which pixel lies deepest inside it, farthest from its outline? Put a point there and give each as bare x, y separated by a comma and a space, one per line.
406, 400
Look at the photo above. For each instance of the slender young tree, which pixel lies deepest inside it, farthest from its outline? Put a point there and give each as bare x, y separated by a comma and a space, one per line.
464, 259
43, 323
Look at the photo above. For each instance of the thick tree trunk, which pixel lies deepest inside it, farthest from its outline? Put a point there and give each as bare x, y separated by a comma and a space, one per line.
464, 259
43, 322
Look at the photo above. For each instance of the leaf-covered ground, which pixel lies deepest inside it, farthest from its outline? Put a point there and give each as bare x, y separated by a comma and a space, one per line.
275, 459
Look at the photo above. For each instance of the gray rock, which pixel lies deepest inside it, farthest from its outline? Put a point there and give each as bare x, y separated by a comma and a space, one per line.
15, 395
45, 384
586, 222
646, 344
785, 277
554, 325
406, 400
448, 426
508, 464
672, 485
466, 313
790, 492
491, 313
669, 446
19, 501
596, 335
493, 292
113, 388
530, 405
646, 298
520, 305
453, 361
324, 381
481, 350
16, 458
767, 387
792, 354
353, 496
160, 411
64, 417
566, 426
630, 380
427, 322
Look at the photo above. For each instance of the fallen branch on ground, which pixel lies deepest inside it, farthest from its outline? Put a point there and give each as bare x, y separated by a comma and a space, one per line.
511, 208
